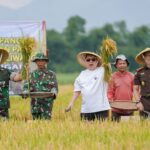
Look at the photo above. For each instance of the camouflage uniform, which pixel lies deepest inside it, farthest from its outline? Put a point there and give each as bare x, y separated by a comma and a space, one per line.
42, 81
5, 76
4, 92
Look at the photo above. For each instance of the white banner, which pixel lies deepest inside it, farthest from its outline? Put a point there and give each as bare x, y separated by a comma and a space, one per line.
10, 34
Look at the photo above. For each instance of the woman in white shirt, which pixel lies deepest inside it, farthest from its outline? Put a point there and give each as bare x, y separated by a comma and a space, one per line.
91, 85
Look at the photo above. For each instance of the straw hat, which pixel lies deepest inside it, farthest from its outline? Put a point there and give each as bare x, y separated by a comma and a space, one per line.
3, 55
139, 58
81, 57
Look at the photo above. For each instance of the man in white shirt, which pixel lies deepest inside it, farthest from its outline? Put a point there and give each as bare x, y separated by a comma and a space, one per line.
91, 85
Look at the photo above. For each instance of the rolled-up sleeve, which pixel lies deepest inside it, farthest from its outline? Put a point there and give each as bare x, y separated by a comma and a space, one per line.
137, 79
55, 85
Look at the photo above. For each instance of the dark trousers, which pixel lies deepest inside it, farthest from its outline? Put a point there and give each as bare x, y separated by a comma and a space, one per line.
42, 110
117, 116
145, 100
144, 115
101, 115
4, 113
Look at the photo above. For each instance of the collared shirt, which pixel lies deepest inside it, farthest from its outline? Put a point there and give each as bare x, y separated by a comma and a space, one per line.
142, 78
121, 86
93, 89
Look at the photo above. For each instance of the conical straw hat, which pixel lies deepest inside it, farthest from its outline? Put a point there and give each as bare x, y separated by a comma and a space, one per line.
82, 60
139, 58
3, 55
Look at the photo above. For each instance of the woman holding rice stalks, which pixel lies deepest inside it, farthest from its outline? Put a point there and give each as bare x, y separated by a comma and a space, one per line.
91, 85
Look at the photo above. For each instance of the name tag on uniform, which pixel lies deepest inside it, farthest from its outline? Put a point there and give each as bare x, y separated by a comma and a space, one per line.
143, 83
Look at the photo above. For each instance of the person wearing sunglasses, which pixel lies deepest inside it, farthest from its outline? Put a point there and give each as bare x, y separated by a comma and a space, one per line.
91, 85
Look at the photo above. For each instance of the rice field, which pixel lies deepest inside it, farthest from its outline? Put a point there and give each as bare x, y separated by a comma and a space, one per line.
66, 132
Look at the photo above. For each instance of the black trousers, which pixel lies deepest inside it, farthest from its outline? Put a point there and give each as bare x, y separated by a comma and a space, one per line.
144, 115
145, 100
101, 115
117, 116
4, 113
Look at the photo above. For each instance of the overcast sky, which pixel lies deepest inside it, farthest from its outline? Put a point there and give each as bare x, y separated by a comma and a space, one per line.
95, 12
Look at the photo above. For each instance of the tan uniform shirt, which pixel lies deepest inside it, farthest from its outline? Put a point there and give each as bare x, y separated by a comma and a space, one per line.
142, 78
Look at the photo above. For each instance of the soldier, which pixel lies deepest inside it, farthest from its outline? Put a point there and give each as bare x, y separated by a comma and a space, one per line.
142, 83
42, 80
5, 76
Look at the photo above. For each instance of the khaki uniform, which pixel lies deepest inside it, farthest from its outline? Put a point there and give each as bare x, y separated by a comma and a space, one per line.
142, 78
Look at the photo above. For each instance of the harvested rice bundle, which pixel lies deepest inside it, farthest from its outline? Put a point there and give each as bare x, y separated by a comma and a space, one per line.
28, 45
108, 49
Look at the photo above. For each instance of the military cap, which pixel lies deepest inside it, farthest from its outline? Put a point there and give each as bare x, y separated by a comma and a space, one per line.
40, 56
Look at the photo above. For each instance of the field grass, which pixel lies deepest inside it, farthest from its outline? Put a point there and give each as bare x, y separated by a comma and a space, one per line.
66, 78
66, 132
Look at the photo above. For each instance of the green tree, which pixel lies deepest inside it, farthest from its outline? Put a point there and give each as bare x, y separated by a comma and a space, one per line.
140, 37
121, 28
59, 50
63, 47
74, 28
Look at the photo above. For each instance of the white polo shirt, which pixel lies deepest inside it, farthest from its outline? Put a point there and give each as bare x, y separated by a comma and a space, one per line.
93, 89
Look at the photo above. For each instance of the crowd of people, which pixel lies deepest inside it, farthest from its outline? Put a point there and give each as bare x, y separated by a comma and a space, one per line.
40, 80
90, 84
123, 86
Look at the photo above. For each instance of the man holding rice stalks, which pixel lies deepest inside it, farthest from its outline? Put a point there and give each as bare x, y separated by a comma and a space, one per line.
5, 76
42, 80
120, 87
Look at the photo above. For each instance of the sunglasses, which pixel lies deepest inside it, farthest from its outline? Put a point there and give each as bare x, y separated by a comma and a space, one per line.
92, 59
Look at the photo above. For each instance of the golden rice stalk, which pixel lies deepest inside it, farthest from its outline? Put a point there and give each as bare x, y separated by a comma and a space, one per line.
108, 49
28, 45
108, 72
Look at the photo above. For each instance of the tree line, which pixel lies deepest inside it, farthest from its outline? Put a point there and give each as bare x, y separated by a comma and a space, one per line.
63, 47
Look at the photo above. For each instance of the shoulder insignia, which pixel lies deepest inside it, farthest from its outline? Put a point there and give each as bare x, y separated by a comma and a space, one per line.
139, 69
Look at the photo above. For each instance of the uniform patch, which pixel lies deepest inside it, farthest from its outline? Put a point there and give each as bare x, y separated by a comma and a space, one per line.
142, 83
142, 73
